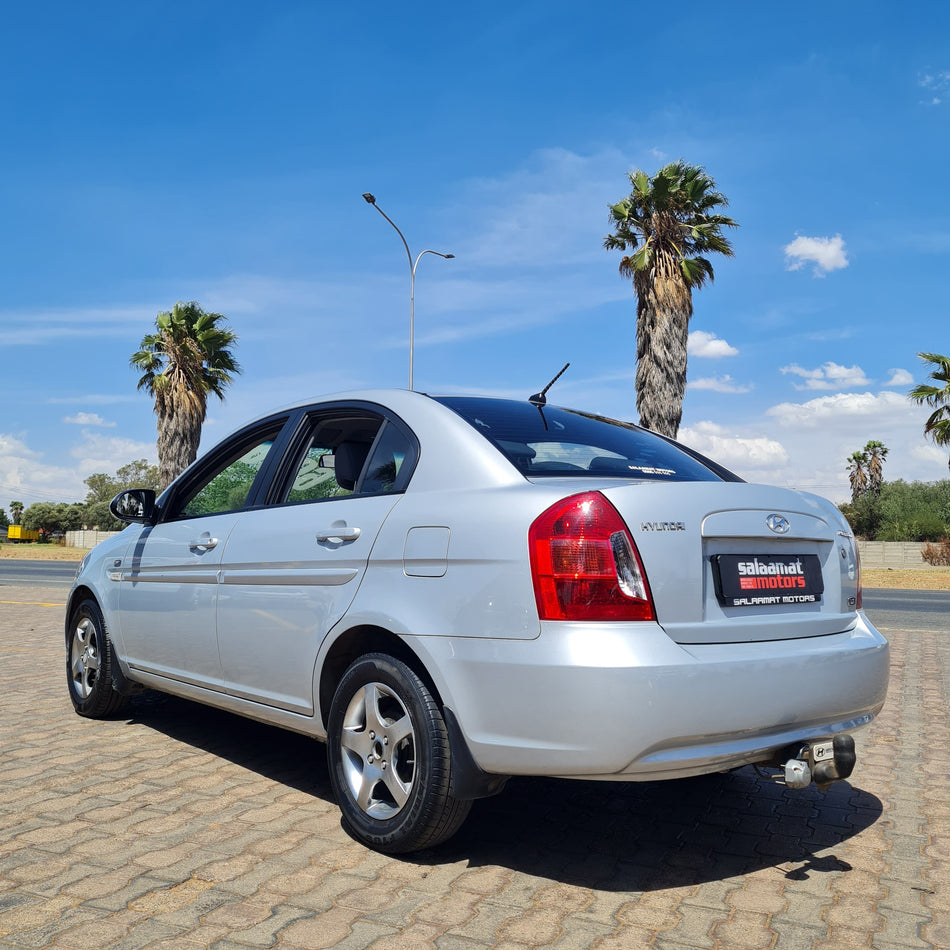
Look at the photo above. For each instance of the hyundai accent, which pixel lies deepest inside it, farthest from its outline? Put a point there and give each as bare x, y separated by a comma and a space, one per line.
449, 591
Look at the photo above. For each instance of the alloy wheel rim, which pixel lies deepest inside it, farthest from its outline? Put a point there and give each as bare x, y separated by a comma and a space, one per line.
84, 658
378, 751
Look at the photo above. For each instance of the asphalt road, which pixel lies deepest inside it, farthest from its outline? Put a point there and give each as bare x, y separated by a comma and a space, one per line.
15, 573
908, 609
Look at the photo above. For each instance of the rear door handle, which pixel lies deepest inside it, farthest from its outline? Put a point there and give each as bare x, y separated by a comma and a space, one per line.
339, 531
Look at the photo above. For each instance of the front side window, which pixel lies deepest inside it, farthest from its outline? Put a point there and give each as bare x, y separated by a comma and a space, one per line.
553, 442
227, 489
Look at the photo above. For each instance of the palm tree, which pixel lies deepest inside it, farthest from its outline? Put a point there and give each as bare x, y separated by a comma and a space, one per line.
874, 453
857, 475
188, 358
16, 509
668, 223
937, 397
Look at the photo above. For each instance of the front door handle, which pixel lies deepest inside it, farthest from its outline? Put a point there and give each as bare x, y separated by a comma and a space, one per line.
338, 532
204, 543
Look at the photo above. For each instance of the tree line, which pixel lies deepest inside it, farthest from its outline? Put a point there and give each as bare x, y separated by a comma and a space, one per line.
902, 511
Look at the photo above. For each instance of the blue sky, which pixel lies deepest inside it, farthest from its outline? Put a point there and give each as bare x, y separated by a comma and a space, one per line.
217, 152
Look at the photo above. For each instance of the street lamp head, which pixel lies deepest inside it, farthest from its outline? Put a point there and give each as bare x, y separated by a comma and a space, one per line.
449, 257
369, 199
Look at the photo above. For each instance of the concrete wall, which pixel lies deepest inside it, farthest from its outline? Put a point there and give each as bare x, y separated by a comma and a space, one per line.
904, 554
87, 539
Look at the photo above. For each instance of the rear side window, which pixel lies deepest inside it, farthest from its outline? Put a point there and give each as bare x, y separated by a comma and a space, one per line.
390, 464
349, 453
552, 442
334, 457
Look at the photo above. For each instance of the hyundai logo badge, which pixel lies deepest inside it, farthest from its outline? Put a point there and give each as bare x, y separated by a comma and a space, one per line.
778, 524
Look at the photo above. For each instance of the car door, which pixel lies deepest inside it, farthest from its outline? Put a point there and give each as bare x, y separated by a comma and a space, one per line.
292, 569
170, 574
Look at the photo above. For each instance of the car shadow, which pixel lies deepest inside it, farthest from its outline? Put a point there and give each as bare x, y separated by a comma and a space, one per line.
624, 836
644, 836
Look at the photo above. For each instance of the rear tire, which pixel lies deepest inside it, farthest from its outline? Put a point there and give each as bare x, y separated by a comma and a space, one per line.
89, 663
389, 758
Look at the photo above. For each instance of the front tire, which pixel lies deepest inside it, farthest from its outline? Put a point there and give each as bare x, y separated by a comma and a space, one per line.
389, 758
89, 662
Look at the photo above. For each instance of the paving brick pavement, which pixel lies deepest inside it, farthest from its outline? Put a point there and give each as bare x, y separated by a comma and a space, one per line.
176, 826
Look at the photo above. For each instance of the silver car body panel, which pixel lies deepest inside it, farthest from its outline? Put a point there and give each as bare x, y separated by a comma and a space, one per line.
248, 623
605, 701
270, 625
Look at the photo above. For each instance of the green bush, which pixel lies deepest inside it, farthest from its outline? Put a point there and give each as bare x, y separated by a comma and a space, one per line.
904, 511
923, 527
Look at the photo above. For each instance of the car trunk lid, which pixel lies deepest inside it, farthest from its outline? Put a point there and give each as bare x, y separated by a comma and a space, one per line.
730, 562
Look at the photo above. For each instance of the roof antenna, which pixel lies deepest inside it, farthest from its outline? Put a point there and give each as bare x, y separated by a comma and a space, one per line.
540, 399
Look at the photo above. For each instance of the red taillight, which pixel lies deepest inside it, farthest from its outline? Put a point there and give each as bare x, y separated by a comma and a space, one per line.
585, 565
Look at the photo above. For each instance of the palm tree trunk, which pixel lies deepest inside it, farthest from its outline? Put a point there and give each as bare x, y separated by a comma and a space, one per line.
663, 313
179, 435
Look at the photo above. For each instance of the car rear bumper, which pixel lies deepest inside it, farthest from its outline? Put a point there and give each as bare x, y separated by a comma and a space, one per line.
624, 702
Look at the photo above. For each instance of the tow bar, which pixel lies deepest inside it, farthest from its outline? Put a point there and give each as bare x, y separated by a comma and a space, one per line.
821, 761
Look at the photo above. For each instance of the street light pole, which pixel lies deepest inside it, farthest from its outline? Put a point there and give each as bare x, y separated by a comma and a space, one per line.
371, 199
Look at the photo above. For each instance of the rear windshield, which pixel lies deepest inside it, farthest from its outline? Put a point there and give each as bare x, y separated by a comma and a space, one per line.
564, 443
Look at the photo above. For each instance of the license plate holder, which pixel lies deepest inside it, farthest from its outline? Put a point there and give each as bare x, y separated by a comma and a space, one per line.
763, 580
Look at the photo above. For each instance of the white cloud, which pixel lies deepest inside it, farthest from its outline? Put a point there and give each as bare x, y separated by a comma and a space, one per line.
552, 211
102, 399
937, 85
931, 455
827, 254
12, 446
719, 384
805, 445
88, 419
25, 477
40, 327
821, 433
708, 345
828, 376
899, 377
865, 406
745, 455
100, 453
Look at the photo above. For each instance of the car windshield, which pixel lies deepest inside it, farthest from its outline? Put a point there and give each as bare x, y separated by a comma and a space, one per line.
553, 442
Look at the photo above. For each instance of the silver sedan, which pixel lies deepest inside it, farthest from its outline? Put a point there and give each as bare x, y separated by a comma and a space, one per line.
450, 591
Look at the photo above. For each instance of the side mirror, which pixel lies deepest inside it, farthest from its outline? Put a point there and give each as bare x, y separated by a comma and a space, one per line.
135, 505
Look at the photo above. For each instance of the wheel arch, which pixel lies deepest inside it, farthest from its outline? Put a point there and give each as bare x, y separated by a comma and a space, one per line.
76, 597
468, 779
356, 642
